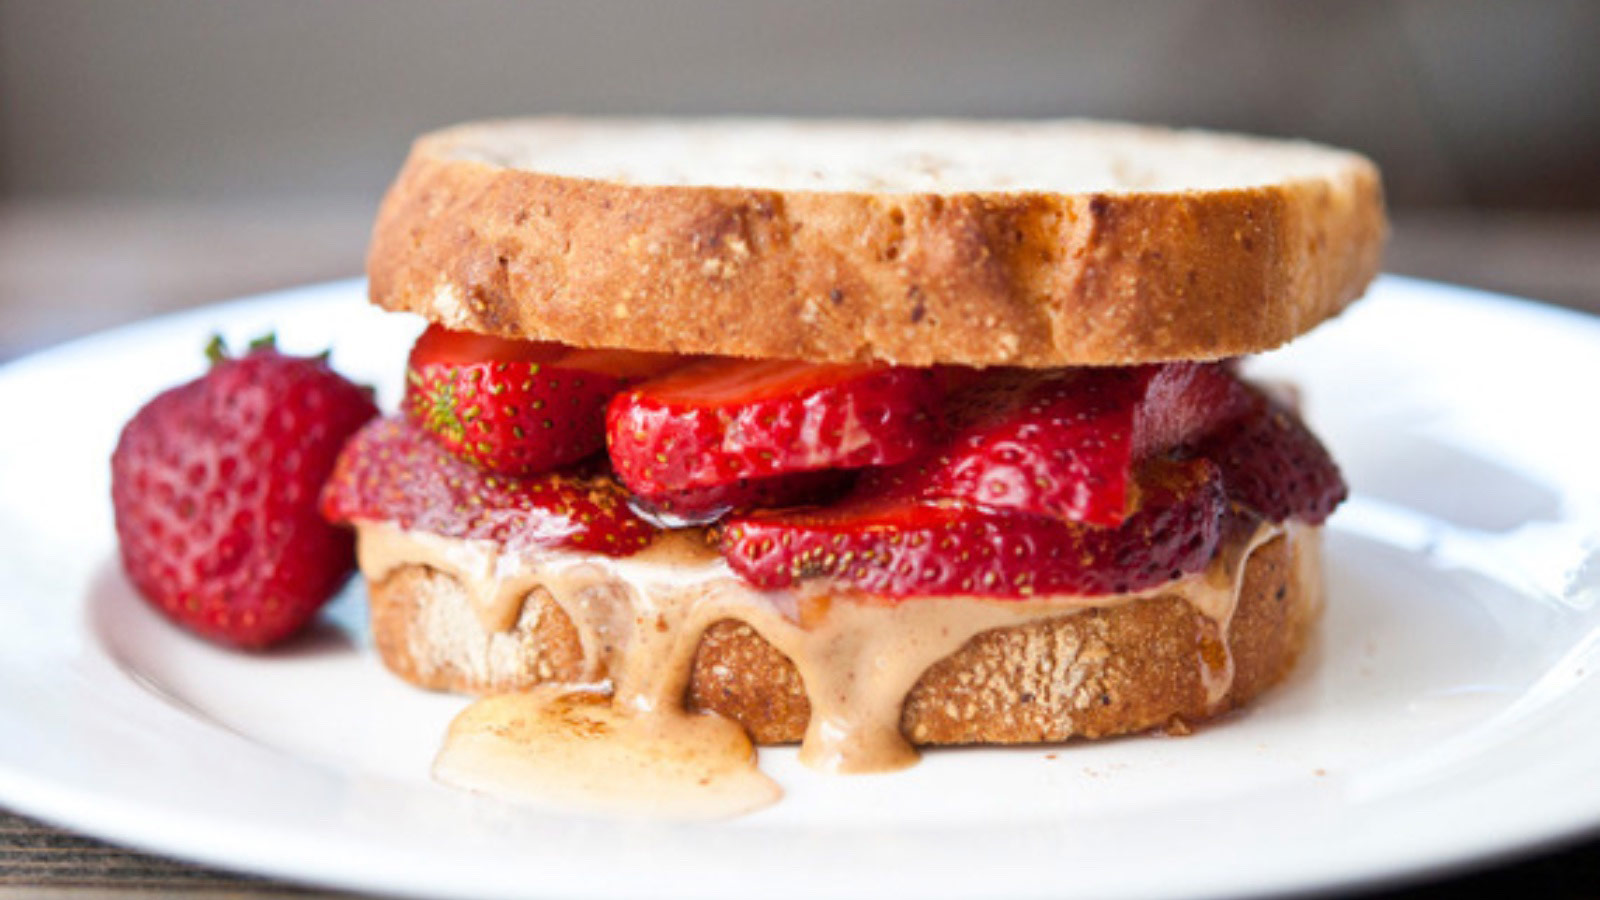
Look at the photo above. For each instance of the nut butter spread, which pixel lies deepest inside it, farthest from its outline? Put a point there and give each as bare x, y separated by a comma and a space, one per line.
620, 740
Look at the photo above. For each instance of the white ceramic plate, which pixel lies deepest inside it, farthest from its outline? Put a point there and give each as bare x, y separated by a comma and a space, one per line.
1449, 711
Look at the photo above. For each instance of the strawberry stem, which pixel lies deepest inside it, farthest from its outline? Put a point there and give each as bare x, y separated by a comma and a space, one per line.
216, 350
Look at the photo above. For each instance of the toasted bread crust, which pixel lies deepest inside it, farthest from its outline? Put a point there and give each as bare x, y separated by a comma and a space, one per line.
981, 278
1098, 673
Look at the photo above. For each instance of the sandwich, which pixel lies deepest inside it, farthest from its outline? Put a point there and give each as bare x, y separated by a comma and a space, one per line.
865, 436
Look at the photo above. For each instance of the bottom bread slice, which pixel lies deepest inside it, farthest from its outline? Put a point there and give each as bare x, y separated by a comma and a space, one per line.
1095, 673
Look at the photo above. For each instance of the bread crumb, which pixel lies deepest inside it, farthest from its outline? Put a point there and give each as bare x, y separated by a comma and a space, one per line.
448, 307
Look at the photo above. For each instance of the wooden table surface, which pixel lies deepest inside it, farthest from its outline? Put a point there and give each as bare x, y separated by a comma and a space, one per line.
69, 269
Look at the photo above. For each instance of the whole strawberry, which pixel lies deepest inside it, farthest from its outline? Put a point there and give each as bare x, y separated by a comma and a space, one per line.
215, 486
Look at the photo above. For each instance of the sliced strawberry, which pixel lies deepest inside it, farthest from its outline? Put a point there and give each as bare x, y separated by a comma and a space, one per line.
901, 546
1272, 464
702, 506
720, 421
517, 407
391, 471
1065, 444
628, 365
439, 344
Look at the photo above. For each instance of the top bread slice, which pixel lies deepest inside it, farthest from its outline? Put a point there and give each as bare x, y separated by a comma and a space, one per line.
1044, 243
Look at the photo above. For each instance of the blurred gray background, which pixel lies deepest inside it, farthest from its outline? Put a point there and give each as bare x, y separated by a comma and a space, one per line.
160, 153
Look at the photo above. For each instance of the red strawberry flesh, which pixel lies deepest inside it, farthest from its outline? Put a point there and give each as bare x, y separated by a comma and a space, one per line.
1273, 465
392, 471
1066, 444
720, 421
702, 506
899, 546
627, 365
517, 407
438, 344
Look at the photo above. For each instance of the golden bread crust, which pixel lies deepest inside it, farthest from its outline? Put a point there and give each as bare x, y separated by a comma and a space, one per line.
1027, 278
1098, 673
